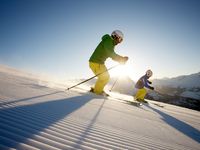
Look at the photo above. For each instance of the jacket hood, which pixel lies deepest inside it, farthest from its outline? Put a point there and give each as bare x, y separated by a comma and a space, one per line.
107, 36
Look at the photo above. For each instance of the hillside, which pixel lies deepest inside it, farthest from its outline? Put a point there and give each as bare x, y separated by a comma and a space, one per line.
182, 90
184, 86
34, 116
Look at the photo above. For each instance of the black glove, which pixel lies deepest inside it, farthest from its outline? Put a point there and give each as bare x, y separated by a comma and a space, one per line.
150, 82
152, 88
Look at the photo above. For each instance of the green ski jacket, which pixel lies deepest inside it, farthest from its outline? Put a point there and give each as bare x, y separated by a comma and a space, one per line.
104, 50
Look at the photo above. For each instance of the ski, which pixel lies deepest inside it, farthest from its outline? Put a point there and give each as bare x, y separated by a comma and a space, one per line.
126, 101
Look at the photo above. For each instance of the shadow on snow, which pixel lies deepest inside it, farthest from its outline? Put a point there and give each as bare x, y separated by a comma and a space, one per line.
179, 125
23, 122
26, 99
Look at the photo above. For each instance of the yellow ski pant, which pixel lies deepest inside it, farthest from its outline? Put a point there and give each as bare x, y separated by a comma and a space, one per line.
102, 78
141, 94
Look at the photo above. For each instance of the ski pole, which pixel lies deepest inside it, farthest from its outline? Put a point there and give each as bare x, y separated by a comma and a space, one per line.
114, 84
92, 77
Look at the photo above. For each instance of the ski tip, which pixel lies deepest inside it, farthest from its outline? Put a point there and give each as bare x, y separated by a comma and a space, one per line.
159, 105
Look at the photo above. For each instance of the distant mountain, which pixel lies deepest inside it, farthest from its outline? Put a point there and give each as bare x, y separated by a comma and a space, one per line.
186, 81
182, 90
185, 86
122, 85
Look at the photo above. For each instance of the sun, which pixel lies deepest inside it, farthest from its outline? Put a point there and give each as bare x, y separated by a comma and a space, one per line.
131, 70
121, 71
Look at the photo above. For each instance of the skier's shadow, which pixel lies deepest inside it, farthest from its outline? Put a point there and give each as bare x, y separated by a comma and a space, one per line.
181, 126
35, 118
27, 99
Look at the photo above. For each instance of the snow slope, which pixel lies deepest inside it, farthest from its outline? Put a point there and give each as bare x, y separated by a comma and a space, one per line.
33, 116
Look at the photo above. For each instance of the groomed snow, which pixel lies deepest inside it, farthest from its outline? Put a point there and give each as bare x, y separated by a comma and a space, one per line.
34, 116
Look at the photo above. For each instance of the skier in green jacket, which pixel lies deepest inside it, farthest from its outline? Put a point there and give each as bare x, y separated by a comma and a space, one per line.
104, 50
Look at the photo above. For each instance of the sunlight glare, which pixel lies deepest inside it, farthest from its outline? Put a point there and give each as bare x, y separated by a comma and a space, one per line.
121, 71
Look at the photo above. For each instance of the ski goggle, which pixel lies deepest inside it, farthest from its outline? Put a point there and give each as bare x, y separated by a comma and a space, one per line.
119, 39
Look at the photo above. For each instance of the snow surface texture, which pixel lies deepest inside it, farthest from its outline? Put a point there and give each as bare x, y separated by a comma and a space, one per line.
34, 116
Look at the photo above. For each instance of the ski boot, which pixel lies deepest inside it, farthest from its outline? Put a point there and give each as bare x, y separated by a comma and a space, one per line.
140, 102
102, 94
91, 90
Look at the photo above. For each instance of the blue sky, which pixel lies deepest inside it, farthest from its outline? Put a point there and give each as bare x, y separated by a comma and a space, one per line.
57, 37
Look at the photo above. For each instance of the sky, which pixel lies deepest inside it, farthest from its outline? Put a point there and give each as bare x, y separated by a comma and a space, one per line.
57, 37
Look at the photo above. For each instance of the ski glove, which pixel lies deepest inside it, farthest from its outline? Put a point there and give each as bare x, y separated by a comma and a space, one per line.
123, 60
152, 88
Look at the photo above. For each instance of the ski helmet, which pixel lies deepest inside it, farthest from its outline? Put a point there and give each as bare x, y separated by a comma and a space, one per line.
149, 73
118, 34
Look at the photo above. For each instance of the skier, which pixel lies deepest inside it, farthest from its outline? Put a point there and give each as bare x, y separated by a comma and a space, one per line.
141, 83
104, 50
